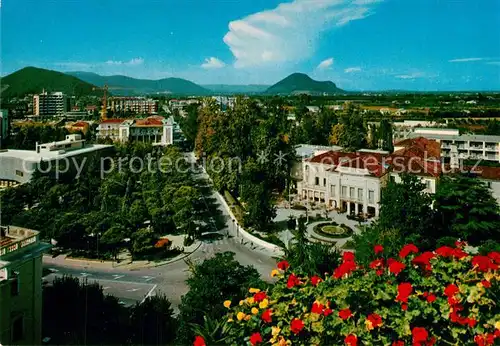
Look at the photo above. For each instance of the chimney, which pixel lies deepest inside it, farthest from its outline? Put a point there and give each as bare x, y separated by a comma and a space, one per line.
454, 162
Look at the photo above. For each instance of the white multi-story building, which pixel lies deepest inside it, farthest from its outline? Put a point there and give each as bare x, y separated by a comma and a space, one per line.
18, 166
139, 105
49, 104
345, 181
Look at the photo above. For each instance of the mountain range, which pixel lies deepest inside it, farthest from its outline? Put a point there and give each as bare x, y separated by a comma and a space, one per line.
31, 80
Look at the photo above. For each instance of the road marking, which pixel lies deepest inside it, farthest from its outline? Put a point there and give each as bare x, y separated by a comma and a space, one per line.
116, 277
149, 293
133, 290
53, 270
105, 288
147, 278
84, 274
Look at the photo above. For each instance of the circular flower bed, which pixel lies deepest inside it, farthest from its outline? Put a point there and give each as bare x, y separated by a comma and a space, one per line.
444, 297
332, 230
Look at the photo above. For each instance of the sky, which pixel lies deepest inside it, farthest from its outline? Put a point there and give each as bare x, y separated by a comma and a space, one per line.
358, 44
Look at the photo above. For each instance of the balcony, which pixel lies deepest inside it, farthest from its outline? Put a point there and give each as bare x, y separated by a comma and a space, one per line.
15, 238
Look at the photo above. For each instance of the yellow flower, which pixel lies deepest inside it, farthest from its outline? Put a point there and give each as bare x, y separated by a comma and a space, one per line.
369, 325
275, 330
254, 290
242, 302
240, 315
227, 304
230, 320
263, 304
274, 272
497, 325
248, 317
255, 311
250, 300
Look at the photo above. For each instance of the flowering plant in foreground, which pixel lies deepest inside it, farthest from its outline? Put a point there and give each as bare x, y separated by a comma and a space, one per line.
444, 297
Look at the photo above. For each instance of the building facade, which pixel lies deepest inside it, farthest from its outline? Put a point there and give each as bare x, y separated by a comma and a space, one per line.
46, 103
4, 126
63, 157
20, 286
138, 105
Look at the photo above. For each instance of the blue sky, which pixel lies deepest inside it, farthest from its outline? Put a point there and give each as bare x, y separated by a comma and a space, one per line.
358, 44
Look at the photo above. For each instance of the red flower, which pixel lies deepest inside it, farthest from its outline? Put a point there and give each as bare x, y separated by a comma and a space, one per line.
315, 280
396, 267
348, 256
460, 244
260, 296
283, 265
424, 260
351, 340
255, 339
451, 290
327, 312
404, 306
296, 325
495, 256
398, 343
483, 263
266, 316
199, 341
485, 340
486, 284
317, 308
404, 291
379, 272
407, 249
375, 320
431, 298
420, 335
445, 251
378, 249
344, 269
293, 281
376, 263
345, 314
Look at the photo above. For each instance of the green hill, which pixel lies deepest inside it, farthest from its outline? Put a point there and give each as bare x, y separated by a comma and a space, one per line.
33, 80
299, 83
123, 85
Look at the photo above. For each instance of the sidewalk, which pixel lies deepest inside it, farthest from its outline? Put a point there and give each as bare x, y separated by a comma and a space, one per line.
63, 260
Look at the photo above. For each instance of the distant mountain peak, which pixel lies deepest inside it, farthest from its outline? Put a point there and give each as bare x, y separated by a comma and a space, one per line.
301, 83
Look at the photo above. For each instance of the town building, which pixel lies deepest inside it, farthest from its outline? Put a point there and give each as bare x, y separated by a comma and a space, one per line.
156, 130
54, 103
137, 105
63, 157
79, 126
4, 126
20, 286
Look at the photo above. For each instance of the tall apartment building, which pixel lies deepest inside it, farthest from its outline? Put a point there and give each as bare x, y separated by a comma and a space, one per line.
20, 286
139, 105
46, 103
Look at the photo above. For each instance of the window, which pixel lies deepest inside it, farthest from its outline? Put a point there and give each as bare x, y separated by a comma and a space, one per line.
428, 184
351, 192
332, 190
360, 194
17, 329
324, 181
316, 181
344, 191
371, 196
19, 173
14, 283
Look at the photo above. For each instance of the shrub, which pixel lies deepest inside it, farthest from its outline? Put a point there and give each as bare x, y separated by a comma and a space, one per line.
443, 297
344, 231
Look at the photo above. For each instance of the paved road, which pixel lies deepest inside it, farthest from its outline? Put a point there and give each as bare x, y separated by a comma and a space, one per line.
170, 280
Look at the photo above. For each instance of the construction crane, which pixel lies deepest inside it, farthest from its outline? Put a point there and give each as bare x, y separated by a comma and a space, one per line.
104, 109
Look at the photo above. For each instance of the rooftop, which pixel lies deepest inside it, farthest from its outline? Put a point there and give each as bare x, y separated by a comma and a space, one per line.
33, 156
478, 138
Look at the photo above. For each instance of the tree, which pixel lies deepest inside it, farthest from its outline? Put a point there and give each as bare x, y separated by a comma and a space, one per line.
406, 207
153, 321
385, 134
338, 134
143, 242
112, 239
216, 279
466, 209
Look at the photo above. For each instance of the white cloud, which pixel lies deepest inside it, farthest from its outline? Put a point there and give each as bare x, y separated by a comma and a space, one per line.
131, 62
212, 63
352, 69
467, 59
411, 75
74, 65
289, 32
325, 64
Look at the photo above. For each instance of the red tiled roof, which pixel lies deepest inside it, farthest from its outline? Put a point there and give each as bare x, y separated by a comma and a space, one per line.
415, 165
370, 161
485, 172
80, 124
149, 122
419, 145
112, 121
